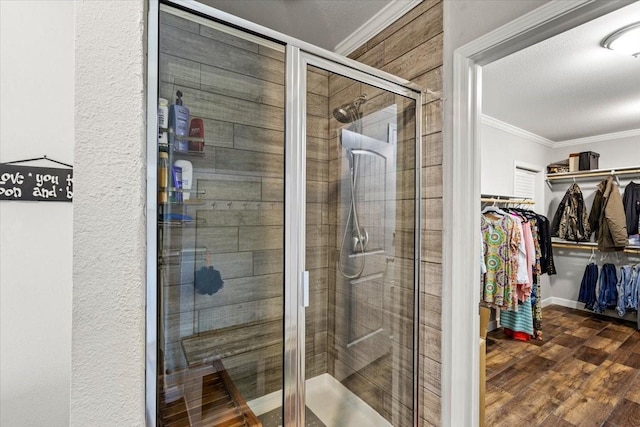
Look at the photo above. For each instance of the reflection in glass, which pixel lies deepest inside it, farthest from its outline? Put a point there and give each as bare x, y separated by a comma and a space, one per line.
221, 228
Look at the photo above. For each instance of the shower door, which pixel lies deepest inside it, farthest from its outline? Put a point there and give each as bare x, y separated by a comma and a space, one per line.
358, 246
283, 263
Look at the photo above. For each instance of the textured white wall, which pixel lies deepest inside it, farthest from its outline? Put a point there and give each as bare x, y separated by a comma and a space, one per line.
108, 341
615, 153
499, 150
36, 118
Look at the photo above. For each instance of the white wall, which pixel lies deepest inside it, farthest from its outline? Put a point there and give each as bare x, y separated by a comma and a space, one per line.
499, 152
614, 153
108, 348
36, 118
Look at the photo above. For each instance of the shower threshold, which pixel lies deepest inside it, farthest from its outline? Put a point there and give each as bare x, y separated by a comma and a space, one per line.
334, 404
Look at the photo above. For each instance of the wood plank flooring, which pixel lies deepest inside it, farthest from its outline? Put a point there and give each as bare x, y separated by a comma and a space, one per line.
586, 372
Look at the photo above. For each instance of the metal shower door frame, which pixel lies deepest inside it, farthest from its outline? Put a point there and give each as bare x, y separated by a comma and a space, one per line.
299, 55
296, 285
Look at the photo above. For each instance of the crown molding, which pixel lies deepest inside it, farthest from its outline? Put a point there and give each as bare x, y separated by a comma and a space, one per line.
598, 138
513, 130
381, 20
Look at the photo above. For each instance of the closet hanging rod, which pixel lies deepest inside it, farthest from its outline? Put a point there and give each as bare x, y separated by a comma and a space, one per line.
597, 172
591, 246
507, 201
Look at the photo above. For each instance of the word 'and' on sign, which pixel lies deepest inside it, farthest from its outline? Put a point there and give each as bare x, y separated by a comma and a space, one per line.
29, 183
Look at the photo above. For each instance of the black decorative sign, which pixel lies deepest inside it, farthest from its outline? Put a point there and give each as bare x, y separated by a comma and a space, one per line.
35, 184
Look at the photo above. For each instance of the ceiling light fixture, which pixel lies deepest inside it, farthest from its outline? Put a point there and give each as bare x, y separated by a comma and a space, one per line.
625, 40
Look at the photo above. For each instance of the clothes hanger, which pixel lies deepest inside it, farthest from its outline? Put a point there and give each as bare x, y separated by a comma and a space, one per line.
495, 210
593, 254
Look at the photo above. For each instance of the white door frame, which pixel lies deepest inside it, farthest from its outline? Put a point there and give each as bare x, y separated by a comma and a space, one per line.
461, 241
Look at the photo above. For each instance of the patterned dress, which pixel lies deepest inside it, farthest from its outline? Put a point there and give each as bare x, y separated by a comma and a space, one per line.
501, 240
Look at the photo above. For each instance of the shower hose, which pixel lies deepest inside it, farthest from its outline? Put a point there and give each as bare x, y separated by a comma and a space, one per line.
353, 212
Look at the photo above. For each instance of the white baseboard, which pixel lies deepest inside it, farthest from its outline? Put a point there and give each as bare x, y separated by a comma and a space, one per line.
631, 316
562, 302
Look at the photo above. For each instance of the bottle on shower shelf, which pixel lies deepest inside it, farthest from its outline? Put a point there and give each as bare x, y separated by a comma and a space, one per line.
179, 124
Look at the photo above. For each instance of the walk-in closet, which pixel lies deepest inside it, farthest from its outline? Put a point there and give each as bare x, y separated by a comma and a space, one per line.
560, 207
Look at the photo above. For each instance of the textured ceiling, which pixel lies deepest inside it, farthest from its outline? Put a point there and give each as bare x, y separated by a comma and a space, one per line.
324, 23
568, 87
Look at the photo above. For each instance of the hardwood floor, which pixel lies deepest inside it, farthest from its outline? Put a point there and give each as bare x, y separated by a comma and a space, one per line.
586, 372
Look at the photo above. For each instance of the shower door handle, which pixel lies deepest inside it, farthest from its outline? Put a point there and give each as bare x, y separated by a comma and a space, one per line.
305, 288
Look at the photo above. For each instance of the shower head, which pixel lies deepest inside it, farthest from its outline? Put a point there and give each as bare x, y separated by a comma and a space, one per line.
349, 112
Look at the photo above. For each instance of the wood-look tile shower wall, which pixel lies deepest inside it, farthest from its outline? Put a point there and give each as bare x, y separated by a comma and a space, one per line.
412, 48
237, 88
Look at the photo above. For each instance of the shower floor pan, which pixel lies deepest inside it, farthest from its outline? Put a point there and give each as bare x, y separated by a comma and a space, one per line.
333, 404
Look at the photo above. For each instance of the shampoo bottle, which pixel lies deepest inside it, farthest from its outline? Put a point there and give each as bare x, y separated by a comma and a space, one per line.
179, 123
163, 122
163, 177
176, 178
196, 130
187, 176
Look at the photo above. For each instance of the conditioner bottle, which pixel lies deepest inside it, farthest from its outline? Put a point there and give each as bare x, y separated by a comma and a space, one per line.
179, 124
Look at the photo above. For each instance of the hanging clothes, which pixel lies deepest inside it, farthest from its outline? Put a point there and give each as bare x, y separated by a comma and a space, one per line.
546, 248
519, 321
543, 263
587, 293
515, 233
631, 203
536, 302
634, 295
608, 294
607, 218
536, 308
624, 287
570, 221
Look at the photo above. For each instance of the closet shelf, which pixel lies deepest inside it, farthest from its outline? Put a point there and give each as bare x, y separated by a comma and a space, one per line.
590, 246
633, 170
507, 201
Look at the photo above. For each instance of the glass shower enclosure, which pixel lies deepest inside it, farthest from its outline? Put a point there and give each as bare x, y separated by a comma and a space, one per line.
284, 238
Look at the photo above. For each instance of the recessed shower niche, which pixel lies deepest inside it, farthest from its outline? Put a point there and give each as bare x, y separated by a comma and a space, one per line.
287, 232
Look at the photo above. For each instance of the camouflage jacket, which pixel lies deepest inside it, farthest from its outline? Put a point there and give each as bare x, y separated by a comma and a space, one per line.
570, 221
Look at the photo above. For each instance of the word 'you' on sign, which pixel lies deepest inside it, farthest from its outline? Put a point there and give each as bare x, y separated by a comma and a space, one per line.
29, 183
